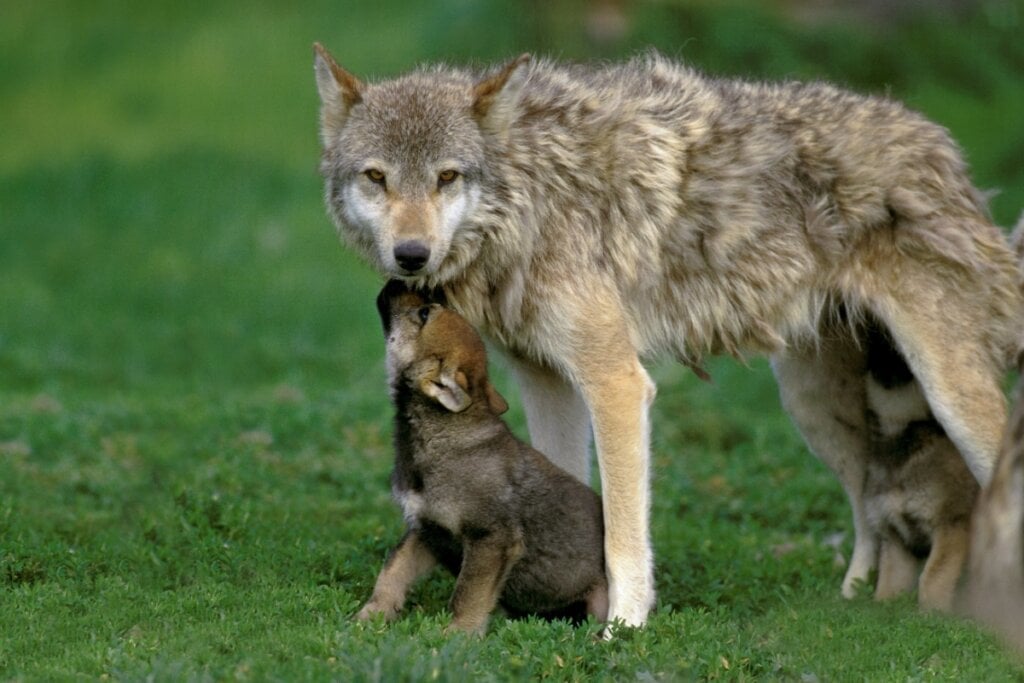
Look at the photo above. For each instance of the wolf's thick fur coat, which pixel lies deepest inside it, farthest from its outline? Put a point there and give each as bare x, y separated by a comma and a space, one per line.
600, 214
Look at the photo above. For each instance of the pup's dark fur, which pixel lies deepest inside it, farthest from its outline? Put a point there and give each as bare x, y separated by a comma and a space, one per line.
514, 527
918, 492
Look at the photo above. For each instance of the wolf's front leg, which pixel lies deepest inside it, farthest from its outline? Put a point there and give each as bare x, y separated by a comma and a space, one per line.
409, 561
556, 416
619, 391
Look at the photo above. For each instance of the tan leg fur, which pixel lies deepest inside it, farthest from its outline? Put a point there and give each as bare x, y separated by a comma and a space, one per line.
618, 392
409, 561
941, 572
897, 570
485, 566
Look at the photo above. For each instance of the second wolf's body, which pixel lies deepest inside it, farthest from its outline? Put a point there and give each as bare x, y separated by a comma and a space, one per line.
585, 217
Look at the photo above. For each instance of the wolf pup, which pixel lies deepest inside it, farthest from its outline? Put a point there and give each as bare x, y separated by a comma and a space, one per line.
918, 492
588, 216
514, 527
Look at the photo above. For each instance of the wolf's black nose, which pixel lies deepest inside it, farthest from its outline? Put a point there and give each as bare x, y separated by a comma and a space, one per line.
411, 255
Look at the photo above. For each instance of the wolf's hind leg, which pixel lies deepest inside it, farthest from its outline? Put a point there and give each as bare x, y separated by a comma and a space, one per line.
822, 388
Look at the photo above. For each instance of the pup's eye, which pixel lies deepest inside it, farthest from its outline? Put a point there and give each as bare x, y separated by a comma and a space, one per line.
423, 314
375, 176
447, 176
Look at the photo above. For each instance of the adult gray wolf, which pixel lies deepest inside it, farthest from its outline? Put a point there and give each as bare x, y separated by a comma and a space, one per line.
918, 492
584, 217
498, 514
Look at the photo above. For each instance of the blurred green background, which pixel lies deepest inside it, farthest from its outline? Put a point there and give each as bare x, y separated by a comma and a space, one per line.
193, 418
159, 206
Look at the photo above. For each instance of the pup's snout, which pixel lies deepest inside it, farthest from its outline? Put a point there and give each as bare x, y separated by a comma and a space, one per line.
411, 255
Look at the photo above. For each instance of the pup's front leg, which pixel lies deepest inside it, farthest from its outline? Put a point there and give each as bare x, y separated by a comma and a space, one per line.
486, 562
618, 392
409, 561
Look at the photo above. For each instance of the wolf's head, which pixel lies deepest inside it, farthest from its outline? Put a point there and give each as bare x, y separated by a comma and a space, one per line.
435, 351
405, 162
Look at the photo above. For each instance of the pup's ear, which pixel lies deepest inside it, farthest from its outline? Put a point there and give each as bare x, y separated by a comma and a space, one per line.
339, 92
449, 389
495, 98
495, 400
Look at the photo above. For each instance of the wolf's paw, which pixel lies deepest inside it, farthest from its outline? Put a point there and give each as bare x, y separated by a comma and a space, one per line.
859, 587
631, 601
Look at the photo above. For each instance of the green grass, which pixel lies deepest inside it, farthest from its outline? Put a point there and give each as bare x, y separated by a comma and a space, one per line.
194, 430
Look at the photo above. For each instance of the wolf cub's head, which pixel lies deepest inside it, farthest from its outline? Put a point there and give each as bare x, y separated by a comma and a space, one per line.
405, 164
434, 351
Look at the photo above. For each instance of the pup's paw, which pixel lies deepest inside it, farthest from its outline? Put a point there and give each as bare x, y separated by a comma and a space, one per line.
477, 629
374, 608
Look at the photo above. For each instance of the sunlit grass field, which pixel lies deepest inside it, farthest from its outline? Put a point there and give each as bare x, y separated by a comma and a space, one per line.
194, 428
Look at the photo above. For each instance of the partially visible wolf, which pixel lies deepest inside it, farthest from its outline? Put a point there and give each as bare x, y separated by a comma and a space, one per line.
511, 525
918, 492
587, 216
994, 591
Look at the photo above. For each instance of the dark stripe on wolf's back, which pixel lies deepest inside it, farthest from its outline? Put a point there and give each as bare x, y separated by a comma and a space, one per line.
885, 363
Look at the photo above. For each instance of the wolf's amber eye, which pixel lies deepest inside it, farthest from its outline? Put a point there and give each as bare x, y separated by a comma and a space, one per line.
375, 176
446, 176
423, 313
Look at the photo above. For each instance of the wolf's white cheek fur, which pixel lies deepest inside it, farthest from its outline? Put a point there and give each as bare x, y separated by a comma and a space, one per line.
366, 213
454, 214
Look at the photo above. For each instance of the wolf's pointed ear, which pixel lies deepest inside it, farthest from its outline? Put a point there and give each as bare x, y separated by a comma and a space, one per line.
448, 389
495, 400
339, 91
495, 98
